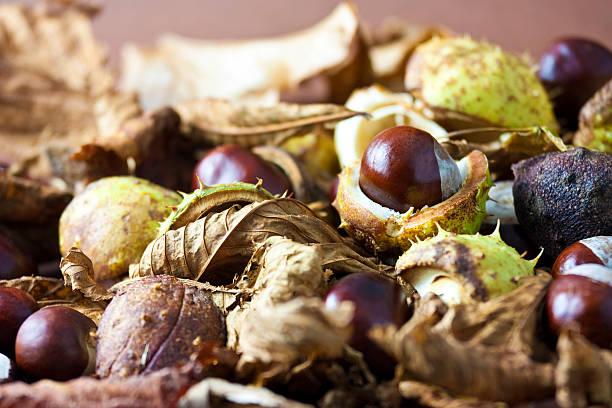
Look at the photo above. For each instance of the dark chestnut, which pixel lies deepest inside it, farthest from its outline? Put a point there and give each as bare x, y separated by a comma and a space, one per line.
594, 250
378, 301
229, 163
15, 307
583, 296
55, 343
8, 369
14, 262
406, 167
572, 70
333, 189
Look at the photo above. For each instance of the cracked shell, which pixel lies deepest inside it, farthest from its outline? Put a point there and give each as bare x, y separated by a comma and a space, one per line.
462, 268
382, 229
481, 80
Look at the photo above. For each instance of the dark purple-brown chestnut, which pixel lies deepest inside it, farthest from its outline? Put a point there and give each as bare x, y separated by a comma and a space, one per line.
582, 298
572, 69
15, 307
378, 301
230, 163
406, 167
55, 343
155, 322
594, 250
14, 262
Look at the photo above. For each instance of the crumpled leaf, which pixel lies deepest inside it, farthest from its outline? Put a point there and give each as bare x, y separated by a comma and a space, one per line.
219, 121
583, 374
503, 146
476, 358
179, 69
218, 246
77, 271
218, 392
51, 292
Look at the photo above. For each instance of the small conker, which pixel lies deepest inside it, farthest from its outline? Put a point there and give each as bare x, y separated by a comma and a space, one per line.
572, 70
594, 250
230, 163
14, 262
15, 307
406, 167
583, 296
55, 343
378, 301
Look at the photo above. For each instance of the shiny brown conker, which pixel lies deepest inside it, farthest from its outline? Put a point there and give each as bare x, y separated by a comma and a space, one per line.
378, 301
230, 163
572, 69
577, 298
406, 167
15, 307
594, 250
55, 343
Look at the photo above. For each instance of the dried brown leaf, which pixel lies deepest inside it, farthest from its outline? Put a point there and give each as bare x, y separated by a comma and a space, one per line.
77, 271
179, 69
218, 121
492, 364
218, 246
221, 393
584, 372
434, 397
51, 292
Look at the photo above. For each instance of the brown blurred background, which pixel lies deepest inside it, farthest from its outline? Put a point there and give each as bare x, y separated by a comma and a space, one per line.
519, 25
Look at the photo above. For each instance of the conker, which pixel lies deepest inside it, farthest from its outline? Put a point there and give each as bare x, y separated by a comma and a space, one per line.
8, 369
406, 167
230, 163
583, 296
572, 70
14, 262
594, 250
55, 343
15, 307
378, 301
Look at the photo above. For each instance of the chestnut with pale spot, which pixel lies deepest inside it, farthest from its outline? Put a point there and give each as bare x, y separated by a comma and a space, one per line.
404, 167
594, 250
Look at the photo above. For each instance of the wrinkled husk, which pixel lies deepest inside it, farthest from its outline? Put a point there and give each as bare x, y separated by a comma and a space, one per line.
595, 121
219, 121
503, 146
53, 292
179, 69
472, 349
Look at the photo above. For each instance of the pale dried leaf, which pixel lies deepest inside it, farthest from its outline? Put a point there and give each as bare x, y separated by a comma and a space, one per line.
434, 397
179, 69
211, 391
584, 372
219, 121
77, 271
218, 246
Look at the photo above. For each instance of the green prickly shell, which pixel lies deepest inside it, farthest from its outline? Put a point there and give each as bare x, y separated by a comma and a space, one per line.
462, 268
481, 80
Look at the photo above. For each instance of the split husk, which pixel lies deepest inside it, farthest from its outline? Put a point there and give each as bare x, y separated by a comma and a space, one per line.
194, 69
595, 121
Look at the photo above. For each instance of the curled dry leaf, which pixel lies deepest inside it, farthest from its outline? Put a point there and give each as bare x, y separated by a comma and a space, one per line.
595, 121
218, 246
218, 121
179, 69
473, 359
503, 146
584, 372
52, 292
218, 391
77, 271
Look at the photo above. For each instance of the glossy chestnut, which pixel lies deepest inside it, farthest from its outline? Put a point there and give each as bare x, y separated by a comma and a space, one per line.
583, 297
573, 69
594, 250
378, 301
230, 163
55, 343
14, 262
406, 167
15, 307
